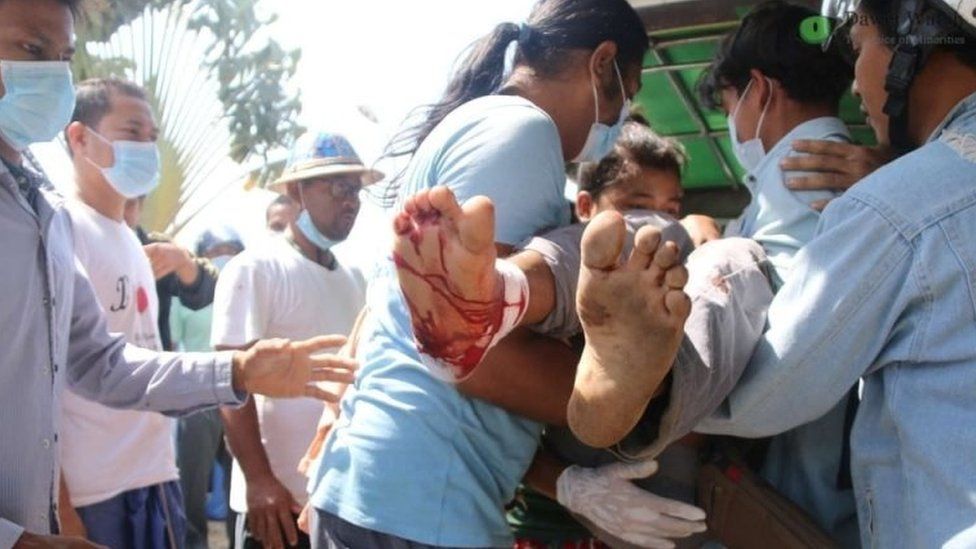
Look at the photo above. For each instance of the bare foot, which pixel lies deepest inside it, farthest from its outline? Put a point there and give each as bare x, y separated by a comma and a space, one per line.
633, 314
445, 258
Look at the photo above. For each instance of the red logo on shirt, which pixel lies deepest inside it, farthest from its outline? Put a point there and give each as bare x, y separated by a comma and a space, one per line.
142, 300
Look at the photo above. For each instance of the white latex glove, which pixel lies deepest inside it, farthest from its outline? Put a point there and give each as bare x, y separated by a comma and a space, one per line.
607, 497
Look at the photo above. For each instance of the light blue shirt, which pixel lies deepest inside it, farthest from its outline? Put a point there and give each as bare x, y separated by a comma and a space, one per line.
778, 218
803, 463
886, 292
411, 456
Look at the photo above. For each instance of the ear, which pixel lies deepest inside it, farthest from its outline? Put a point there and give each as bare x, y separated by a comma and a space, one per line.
762, 84
601, 60
584, 205
77, 137
291, 189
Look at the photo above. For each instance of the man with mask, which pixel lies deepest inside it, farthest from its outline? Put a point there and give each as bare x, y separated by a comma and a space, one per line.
52, 328
290, 286
118, 464
883, 294
199, 437
776, 89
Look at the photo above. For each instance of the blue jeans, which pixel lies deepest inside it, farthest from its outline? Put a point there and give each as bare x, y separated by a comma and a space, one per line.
145, 518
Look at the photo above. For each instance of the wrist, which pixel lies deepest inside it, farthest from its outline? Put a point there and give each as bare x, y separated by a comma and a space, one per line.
238, 377
189, 272
564, 483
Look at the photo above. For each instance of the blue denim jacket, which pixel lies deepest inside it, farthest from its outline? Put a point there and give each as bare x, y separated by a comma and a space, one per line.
886, 292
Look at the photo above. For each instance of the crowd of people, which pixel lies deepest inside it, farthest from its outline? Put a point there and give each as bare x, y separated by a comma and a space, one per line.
513, 369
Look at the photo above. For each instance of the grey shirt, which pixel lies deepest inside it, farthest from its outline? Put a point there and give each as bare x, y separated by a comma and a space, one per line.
52, 333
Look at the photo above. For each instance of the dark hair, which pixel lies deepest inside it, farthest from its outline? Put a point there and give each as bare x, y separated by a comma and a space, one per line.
768, 40
280, 200
93, 99
73, 5
884, 14
637, 144
553, 28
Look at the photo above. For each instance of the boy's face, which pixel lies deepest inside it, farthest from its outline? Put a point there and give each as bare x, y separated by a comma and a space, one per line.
643, 189
870, 69
35, 30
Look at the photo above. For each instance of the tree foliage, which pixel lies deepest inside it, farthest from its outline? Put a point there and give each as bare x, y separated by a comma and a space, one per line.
251, 73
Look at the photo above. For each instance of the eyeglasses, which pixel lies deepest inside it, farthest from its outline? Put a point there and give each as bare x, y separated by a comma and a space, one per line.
345, 188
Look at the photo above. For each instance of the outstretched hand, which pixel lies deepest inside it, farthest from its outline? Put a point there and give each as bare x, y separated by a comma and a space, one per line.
281, 368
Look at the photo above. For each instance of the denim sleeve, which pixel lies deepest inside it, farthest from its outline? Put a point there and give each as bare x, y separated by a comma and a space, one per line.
101, 367
826, 326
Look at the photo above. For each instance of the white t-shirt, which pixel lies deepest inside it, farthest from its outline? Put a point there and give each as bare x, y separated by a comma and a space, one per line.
268, 291
106, 451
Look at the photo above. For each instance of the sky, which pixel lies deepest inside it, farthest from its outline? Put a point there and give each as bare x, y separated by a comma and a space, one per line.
390, 56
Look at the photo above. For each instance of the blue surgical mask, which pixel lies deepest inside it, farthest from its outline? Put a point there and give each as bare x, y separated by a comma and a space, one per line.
136, 169
602, 138
749, 153
38, 101
308, 228
221, 261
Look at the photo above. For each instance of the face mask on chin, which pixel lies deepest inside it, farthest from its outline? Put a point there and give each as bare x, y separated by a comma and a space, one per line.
602, 138
749, 153
308, 228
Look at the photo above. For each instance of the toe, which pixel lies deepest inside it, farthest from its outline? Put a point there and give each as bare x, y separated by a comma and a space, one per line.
476, 224
678, 304
665, 257
410, 206
646, 242
422, 200
603, 241
443, 200
676, 277
402, 223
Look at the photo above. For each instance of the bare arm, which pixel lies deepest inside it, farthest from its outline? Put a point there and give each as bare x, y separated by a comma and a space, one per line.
527, 374
71, 524
269, 504
544, 472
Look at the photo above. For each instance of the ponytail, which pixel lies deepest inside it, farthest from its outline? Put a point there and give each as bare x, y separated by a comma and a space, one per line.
553, 28
480, 74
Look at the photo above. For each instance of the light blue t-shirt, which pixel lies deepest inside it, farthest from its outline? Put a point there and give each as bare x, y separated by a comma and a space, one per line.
411, 456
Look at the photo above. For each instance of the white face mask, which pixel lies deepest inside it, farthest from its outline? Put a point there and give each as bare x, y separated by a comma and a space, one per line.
602, 138
750, 153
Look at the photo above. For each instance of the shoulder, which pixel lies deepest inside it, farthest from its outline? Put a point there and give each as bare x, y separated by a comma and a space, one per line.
500, 119
924, 186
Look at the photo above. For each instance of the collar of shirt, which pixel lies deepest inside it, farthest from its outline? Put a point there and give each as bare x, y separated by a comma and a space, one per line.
817, 128
963, 112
